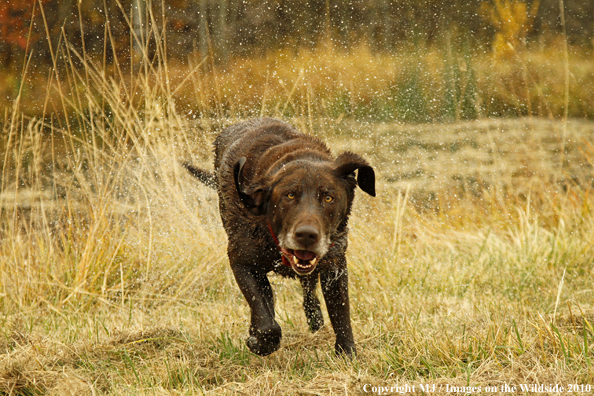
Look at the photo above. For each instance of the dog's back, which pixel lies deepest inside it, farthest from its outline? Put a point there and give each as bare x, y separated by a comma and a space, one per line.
254, 138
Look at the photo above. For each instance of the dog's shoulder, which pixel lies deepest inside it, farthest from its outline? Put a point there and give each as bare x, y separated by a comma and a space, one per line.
250, 129
263, 141
238, 139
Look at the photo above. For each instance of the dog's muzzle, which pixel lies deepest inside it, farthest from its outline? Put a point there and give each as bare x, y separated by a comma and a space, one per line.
303, 262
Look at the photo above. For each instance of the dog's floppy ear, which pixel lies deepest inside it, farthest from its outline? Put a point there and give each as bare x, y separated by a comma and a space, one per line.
346, 165
253, 195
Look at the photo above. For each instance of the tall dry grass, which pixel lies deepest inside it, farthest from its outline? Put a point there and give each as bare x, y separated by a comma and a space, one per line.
82, 194
472, 267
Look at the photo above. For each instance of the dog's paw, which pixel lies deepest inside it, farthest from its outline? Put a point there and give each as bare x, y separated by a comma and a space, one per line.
315, 322
264, 342
347, 350
261, 348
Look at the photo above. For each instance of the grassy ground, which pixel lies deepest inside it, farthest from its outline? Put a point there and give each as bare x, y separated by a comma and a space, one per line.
472, 267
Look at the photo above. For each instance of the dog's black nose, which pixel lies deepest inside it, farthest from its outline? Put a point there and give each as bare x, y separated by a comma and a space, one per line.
306, 235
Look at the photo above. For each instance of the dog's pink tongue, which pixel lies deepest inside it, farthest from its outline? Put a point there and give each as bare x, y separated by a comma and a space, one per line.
304, 254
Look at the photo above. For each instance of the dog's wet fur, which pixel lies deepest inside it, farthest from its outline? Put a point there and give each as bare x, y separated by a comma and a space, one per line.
285, 203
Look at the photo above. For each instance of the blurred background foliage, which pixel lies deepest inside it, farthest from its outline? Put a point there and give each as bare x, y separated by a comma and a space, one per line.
429, 59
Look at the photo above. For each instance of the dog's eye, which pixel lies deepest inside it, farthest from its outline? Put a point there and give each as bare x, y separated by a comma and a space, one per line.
291, 196
328, 198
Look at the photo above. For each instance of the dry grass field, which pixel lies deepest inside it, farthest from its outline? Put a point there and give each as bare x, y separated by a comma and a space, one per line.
472, 267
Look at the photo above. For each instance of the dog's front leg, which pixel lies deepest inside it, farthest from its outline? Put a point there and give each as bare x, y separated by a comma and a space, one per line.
265, 333
335, 287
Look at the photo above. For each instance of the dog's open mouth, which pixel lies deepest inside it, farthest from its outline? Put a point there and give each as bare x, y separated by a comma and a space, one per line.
302, 261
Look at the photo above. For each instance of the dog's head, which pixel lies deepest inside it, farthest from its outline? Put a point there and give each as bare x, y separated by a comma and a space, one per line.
306, 202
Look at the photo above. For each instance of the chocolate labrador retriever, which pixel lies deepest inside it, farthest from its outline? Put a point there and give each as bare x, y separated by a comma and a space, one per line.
285, 203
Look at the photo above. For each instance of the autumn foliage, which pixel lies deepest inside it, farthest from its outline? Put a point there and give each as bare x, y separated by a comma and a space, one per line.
512, 20
15, 18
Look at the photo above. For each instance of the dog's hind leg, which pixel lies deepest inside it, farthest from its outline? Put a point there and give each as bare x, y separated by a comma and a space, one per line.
311, 304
